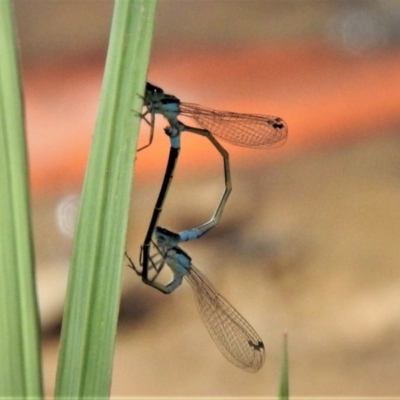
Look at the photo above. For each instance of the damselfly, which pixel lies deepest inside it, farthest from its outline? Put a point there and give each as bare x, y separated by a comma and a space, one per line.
249, 130
233, 335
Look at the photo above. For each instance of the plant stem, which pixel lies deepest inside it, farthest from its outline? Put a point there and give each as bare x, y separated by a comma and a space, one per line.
90, 318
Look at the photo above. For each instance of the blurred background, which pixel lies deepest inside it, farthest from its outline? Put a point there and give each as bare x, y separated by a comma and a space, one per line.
308, 243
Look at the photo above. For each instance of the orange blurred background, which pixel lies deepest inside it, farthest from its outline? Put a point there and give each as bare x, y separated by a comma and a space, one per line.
301, 217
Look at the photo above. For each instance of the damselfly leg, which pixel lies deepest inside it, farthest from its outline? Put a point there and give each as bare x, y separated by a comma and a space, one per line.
154, 100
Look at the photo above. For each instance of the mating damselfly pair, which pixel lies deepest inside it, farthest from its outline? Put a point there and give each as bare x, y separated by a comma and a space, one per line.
232, 334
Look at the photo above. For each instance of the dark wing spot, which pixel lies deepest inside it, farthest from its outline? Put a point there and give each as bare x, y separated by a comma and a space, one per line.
257, 346
277, 123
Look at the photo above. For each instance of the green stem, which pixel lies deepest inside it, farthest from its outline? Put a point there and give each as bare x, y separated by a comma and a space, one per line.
90, 318
20, 366
284, 378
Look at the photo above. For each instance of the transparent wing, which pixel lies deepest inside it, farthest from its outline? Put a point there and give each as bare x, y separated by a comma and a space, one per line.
233, 335
246, 130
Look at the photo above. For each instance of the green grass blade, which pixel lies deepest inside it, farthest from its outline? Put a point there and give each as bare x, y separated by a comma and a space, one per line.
20, 366
90, 317
284, 379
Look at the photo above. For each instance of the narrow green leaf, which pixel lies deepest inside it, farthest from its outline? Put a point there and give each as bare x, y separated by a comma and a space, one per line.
90, 317
284, 379
20, 366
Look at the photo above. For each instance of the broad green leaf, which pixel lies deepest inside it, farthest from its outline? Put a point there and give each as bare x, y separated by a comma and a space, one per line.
20, 366
90, 317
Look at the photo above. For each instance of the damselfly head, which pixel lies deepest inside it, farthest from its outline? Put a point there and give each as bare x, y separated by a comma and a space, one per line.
153, 93
159, 102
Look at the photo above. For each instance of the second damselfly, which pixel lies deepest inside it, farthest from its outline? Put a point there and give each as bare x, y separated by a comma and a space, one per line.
233, 335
